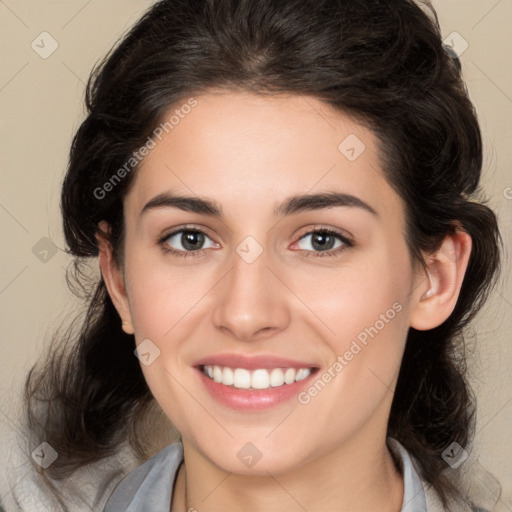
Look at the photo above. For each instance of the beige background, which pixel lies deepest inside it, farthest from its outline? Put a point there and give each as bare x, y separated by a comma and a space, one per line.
41, 107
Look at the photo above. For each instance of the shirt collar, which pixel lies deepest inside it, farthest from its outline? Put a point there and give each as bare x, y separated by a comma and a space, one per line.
414, 495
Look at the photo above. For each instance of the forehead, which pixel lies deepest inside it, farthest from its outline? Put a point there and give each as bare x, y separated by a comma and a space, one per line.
246, 150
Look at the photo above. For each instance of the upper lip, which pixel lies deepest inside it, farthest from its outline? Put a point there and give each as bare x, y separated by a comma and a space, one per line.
252, 362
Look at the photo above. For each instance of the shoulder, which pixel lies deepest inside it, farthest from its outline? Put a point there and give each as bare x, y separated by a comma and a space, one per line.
419, 495
23, 486
149, 486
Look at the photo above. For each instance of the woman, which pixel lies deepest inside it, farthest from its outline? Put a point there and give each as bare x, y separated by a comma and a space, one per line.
281, 194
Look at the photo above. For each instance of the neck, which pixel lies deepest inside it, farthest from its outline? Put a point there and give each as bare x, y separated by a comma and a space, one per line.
357, 476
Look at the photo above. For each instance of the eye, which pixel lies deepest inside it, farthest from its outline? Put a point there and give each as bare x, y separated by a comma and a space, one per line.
186, 241
316, 243
323, 242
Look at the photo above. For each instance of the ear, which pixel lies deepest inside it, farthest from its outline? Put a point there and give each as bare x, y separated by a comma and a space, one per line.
113, 277
437, 288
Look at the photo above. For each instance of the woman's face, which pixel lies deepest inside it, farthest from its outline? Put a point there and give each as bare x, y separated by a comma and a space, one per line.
251, 289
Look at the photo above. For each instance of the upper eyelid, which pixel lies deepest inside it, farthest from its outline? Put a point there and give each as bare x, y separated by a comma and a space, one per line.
179, 229
342, 233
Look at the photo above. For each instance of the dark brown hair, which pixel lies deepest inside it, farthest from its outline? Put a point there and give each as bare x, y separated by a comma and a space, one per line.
380, 61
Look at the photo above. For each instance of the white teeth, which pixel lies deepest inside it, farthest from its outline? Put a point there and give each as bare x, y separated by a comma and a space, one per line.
276, 377
217, 374
261, 378
241, 378
227, 376
302, 374
289, 375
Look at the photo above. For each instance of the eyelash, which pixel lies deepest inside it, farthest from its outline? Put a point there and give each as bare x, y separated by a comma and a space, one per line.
347, 243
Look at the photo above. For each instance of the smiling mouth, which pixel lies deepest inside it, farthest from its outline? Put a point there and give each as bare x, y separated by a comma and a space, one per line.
258, 379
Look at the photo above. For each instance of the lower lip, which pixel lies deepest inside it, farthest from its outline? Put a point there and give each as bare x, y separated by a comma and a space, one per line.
253, 400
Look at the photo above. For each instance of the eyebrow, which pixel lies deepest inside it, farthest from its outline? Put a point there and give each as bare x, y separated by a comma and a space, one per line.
294, 204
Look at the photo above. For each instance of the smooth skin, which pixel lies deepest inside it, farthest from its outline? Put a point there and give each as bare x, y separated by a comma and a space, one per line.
249, 154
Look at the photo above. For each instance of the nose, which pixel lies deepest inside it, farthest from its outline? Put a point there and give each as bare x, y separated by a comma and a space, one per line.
251, 303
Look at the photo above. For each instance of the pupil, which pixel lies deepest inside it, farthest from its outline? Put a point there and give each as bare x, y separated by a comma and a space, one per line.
192, 240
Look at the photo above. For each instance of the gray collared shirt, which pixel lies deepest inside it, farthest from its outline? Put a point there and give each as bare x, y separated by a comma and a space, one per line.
149, 487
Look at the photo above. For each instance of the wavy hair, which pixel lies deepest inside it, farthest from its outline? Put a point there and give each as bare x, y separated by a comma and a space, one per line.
379, 61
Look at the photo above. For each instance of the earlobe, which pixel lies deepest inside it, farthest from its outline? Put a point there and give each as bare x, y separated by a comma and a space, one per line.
113, 277
437, 288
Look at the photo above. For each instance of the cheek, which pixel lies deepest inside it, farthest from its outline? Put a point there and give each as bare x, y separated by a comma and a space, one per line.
361, 300
364, 317
162, 295
369, 325
165, 303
